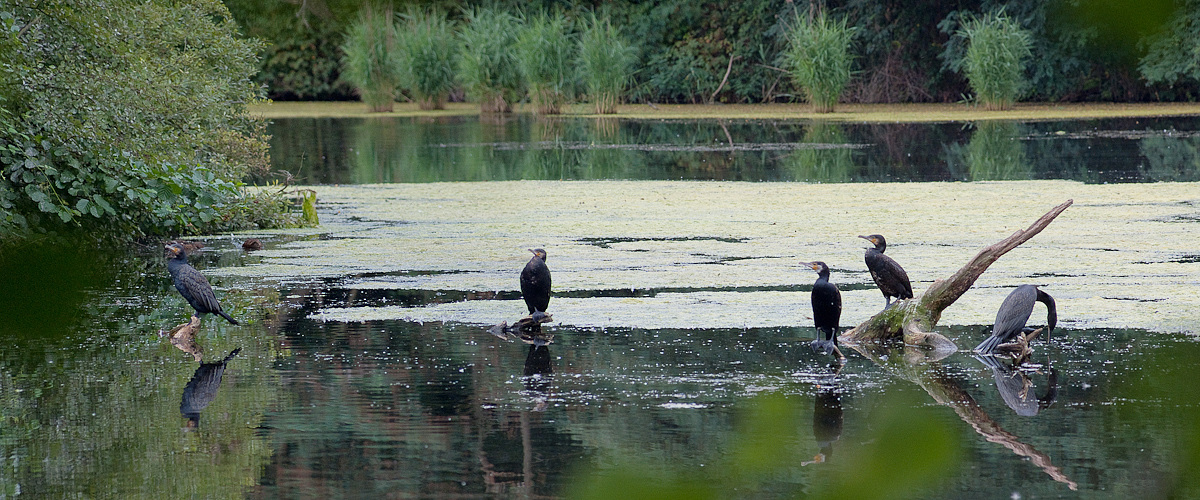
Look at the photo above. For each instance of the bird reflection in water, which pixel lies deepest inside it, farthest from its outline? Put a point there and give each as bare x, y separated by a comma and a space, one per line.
202, 389
1017, 389
827, 416
538, 367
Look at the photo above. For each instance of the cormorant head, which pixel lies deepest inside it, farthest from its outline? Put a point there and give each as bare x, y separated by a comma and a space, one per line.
175, 251
817, 266
877, 240
539, 253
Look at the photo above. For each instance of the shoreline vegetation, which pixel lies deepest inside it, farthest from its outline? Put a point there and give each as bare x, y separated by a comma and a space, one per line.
855, 113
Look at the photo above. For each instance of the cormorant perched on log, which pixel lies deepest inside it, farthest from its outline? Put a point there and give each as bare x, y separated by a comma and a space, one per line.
535, 282
1014, 313
191, 284
888, 275
827, 310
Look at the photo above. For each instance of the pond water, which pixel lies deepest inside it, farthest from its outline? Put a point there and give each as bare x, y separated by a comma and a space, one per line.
677, 364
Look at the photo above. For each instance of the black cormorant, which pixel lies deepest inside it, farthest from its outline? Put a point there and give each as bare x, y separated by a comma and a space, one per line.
888, 275
1014, 313
535, 282
827, 309
191, 284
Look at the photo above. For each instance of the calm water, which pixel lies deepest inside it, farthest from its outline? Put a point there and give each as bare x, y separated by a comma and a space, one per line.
353, 151
96, 403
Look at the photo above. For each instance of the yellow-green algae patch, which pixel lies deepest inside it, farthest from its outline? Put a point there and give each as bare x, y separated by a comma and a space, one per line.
1123, 256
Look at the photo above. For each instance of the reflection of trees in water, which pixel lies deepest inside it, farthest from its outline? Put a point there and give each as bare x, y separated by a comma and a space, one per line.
1170, 158
822, 163
994, 152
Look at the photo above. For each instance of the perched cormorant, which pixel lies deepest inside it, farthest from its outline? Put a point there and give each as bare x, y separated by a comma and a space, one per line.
827, 309
888, 275
1014, 313
535, 282
191, 284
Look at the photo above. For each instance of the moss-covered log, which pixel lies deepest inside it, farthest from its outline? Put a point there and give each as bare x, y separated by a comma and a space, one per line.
913, 319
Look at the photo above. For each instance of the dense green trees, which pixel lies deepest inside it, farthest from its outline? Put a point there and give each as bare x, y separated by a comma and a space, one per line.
907, 51
126, 118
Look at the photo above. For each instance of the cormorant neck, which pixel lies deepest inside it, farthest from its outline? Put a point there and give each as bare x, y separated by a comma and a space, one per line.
1051, 310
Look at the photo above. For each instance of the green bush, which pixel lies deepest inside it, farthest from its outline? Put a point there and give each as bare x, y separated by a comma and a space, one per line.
994, 61
429, 58
819, 57
371, 60
488, 67
127, 118
605, 62
545, 53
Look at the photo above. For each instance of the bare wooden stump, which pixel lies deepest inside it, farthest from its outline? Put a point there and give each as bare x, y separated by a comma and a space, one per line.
912, 320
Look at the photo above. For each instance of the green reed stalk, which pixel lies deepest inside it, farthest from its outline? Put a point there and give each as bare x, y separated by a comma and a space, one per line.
488, 66
545, 52
370, 62
429, 55
605, 63
819, 56
994, 62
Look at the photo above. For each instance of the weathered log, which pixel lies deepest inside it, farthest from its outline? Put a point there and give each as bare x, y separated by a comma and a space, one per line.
913, 319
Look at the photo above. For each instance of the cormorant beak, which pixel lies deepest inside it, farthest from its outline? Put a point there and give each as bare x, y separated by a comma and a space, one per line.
532, 251
868, 238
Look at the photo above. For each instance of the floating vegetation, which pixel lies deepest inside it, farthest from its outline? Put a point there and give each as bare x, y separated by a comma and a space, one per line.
729, 251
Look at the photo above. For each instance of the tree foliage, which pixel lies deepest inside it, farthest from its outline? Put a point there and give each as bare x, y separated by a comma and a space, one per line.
906, 51
128, 118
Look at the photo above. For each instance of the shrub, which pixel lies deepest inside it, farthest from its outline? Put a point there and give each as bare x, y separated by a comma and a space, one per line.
488, 67
994, 59
126, 118
819, 57
428, 58
605, 62
545, 54
371, 58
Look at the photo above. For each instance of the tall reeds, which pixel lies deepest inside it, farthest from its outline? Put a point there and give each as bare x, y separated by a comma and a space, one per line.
428, 57
370, 61
545, 51
819, 56
994, 62
605, 64
488, 66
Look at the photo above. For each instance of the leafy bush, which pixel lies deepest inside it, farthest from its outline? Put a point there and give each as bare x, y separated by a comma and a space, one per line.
428, 58
605, 63
372, 56
994, 59
819, 57
488, 67
545, 53
127, 118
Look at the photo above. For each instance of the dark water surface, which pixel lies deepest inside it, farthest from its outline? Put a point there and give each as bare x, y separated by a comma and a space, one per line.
99, 405
96, 403
356, 151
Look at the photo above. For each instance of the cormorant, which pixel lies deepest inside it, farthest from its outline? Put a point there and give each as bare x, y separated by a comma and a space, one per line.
191, 284
1014, 313
888, 275
535, 282
827, 309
